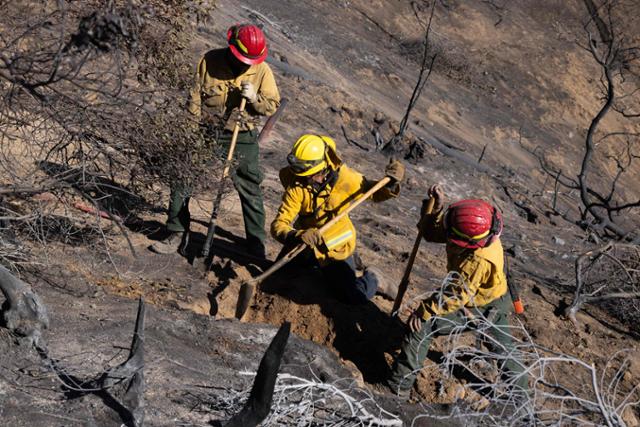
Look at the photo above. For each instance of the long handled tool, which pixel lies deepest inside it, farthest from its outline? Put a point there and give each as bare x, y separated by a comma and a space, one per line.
518, 307
404, 283
211, 230
264, 133
248, 287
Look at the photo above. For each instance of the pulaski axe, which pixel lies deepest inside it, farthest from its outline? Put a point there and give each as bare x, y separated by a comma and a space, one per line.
264, 133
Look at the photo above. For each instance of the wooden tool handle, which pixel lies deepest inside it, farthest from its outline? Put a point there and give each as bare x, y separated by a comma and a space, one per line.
247, 288
293, 253
234, 140
211, 229
404, 283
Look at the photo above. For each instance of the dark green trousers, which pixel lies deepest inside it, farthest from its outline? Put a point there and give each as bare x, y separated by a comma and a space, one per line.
246, 179
416, 344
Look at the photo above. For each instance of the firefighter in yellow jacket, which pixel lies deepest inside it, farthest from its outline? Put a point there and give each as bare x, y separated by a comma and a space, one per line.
471, 230
318, 186
223, 77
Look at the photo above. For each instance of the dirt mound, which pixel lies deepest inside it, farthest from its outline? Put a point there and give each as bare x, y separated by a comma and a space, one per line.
359, 335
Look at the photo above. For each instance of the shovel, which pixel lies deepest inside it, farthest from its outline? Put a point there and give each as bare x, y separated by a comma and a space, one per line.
404, 283
211, 230
247, 288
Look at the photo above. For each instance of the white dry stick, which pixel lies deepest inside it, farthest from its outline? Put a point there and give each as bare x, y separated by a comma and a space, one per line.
557, 394
309, 397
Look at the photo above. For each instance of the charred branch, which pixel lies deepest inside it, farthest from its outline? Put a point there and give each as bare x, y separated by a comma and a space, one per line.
259, 404
131, 370
426, 67
129, 375
602, 202
605, 34
92, 88
610, 272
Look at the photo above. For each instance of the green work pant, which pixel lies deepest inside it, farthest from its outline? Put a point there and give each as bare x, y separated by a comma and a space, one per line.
246, 179
416, 344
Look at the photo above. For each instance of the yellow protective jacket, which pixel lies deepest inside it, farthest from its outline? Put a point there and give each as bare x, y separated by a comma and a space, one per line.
219, 90
304, 207
481, 270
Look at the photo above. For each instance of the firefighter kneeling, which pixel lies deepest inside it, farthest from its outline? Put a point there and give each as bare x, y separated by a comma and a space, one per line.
318, 187
471, 230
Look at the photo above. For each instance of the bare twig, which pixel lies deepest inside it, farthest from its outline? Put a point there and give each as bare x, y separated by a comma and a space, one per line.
598, 280
426, 67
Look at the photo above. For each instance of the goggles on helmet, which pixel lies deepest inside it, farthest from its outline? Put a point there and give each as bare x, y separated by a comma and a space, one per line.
300, 166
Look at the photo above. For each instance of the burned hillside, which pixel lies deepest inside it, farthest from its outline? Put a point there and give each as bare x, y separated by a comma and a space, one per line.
531, 106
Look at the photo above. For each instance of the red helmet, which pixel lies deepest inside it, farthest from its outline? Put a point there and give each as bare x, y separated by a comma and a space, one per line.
247, 43
472, 223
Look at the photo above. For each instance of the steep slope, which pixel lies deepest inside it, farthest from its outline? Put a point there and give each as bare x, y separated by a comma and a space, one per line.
509, 82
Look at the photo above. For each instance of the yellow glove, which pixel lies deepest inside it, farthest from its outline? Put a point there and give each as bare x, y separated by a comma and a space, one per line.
311, 237
395, 170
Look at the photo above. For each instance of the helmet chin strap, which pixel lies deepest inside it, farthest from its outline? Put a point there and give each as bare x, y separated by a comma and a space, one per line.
330, 178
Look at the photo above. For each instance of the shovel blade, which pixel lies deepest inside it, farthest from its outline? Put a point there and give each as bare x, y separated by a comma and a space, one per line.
245, 295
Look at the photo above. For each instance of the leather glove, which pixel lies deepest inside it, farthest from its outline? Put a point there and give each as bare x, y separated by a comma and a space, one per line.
311, 237
237, 116
249, 91
395, 170
437, 193
414, 322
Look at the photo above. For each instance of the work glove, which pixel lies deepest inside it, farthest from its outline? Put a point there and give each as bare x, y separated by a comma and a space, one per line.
415, 322
311, 237
249, 91
418, 317
237, 116
395, 171
437, 193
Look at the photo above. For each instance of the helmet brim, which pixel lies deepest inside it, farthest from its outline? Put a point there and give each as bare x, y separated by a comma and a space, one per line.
467, 244
246, 60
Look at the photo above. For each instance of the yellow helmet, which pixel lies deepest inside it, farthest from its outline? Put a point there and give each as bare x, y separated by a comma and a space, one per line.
309, 154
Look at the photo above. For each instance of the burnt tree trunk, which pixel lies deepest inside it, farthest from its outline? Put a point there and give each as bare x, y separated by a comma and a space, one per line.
23, 312
259, 404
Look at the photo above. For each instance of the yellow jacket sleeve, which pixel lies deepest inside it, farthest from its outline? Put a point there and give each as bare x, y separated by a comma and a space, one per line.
268, 97
474, 273
193, 105
281, 227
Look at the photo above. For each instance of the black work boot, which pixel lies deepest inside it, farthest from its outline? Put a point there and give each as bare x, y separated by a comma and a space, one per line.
174, 242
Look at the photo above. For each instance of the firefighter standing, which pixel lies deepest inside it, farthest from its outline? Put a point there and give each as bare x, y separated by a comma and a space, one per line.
222, 78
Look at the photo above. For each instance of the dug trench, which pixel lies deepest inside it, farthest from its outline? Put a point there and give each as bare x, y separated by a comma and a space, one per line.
363, 337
